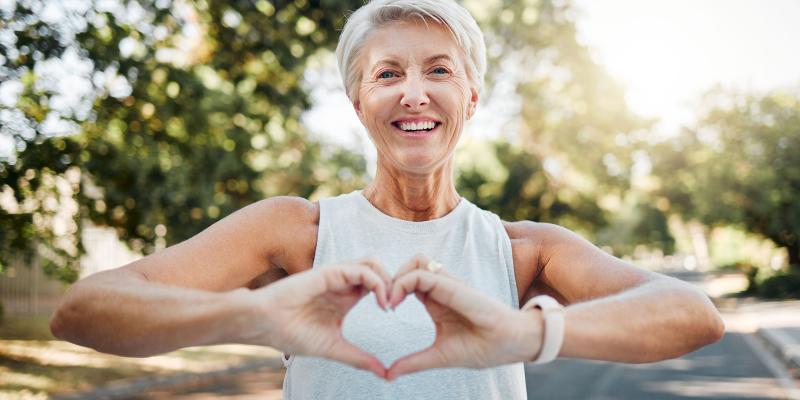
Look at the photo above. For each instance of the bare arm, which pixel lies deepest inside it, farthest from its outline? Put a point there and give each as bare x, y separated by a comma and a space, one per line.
615, 311
183, 295
618, 312
120, 312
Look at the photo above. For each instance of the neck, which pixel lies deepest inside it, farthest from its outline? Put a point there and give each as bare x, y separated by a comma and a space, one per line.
413, 197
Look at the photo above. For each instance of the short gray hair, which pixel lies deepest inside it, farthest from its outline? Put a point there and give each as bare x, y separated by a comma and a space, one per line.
376, 13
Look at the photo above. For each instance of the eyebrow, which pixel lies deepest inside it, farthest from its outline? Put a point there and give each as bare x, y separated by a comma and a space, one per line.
391, 61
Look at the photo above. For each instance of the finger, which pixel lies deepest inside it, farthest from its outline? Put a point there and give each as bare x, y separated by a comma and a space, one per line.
417, 263
419, 281
350, 354
419, 260
423, 360
450, 293
346, 277
376, 266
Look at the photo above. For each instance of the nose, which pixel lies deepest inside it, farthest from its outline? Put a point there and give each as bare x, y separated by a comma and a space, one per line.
415, 95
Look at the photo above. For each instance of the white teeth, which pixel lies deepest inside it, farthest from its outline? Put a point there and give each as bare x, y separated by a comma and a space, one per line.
417, 126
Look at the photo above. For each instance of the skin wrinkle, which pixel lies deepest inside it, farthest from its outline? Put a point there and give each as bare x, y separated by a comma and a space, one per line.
415, 89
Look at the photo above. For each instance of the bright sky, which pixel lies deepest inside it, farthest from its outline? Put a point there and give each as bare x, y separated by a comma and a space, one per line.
669, 52
666, 53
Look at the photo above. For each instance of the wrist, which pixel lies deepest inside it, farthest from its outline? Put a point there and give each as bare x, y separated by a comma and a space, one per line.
250, 325
552, 327
531, 334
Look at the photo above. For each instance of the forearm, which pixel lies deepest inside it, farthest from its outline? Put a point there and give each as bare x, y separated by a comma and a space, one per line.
122, 314
658, 320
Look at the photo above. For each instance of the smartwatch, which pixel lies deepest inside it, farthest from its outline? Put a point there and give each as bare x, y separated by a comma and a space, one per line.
553, 313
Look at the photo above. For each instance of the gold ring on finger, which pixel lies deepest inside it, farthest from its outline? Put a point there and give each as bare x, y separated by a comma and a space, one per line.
434, 266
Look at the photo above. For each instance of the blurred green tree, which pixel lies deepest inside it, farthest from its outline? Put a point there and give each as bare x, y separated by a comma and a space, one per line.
574, 137
739, 165
192, 111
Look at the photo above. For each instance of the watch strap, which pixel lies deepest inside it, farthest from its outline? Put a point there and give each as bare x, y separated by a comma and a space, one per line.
553, 314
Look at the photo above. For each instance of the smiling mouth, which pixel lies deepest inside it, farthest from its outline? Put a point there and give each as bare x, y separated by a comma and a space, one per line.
416, 126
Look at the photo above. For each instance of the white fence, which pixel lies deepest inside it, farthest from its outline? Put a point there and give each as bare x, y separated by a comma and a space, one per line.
25, 289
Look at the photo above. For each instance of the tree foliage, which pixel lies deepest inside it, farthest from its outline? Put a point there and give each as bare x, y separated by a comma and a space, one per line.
739, 165
187, 111
573, 136
194, 113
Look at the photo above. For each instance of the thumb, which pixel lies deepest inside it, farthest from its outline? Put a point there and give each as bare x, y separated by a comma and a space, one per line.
422, 360
354, 356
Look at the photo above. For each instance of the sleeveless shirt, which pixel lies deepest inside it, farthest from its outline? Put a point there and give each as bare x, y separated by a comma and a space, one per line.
471, 243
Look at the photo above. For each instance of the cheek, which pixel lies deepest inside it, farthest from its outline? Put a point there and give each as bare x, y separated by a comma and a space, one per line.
456, 95
373, 105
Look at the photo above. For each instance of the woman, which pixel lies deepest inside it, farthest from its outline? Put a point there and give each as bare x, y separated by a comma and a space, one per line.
413, 71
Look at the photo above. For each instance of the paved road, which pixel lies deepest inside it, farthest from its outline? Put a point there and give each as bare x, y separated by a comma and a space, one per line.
729, 369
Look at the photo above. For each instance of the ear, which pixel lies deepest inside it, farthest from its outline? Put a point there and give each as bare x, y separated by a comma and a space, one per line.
357, 108
473, 102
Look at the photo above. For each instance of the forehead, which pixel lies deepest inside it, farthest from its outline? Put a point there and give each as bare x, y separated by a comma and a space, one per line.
410, 41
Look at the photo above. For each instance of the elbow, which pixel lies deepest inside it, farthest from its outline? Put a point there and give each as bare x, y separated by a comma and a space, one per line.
698, 325
706, 326
711, 327
716, 328
64, 328
71, 314
60, 321
695, 337
702, 319
56, 326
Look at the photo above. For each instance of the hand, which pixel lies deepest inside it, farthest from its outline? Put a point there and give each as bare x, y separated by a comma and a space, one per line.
472, 329
303, 313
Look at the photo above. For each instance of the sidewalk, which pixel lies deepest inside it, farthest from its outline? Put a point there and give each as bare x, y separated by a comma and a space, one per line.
270, 372
785, 343
775, 323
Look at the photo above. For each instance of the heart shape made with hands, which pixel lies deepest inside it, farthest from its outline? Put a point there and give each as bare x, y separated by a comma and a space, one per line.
468, 327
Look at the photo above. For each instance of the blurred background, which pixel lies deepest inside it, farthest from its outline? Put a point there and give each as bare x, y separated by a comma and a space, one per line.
667, 133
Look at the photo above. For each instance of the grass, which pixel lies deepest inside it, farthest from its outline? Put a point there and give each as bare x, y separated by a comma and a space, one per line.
26, 327
34, 364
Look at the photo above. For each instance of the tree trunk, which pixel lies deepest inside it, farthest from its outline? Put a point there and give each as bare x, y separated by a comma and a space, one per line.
794, 256
697, 232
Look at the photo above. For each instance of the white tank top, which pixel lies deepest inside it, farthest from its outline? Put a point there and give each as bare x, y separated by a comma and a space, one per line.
471, 243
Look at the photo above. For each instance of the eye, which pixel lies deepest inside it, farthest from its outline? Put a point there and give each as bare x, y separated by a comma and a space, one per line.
386, 75
440, 71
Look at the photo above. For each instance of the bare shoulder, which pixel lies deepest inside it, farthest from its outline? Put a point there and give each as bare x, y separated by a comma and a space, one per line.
291, 210
295, 223
526, 242
530, 230
278, 224
542, 237
250, 247
530, 237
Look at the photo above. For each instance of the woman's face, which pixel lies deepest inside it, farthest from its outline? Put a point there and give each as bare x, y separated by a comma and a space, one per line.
415, 95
